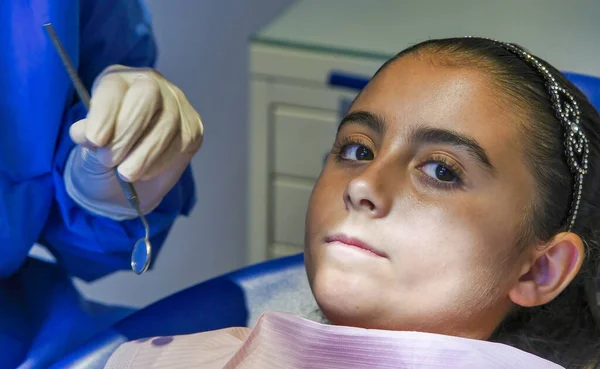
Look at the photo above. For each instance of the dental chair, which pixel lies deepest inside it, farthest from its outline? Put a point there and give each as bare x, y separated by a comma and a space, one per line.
234, 299
237, 298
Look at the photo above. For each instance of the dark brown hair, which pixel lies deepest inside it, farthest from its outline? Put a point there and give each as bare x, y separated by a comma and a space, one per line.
567, 329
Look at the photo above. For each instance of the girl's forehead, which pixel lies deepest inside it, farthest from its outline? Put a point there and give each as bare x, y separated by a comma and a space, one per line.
413, 83
412, 92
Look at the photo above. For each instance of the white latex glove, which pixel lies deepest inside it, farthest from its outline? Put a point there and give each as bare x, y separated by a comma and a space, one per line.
140, 123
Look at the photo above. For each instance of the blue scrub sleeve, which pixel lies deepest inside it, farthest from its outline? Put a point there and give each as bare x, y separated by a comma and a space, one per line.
89, 246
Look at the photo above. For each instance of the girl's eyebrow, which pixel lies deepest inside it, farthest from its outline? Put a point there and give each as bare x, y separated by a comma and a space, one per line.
365, 118
430, 135
424, 135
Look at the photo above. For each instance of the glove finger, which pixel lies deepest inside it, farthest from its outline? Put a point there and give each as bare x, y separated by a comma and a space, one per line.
153, 145
173, 157
151, 192
140, 106
192, 129
104, 108
77, 132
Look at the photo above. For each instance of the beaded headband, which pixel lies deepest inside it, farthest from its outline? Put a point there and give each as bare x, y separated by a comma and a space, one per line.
567, 111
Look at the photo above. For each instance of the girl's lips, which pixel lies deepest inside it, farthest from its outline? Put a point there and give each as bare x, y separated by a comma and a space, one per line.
354, 242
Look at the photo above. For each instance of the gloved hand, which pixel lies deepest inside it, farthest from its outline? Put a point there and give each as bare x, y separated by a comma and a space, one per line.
140, 123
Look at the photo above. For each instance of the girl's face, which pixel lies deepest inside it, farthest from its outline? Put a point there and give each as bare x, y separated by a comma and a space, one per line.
414, 221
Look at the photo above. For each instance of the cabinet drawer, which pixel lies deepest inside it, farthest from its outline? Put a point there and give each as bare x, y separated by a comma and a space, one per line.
290, 202
301, 138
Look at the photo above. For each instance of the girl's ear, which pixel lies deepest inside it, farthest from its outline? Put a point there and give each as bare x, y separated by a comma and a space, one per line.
551, 269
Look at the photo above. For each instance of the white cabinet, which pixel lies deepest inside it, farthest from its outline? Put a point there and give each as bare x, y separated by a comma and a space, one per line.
301, 135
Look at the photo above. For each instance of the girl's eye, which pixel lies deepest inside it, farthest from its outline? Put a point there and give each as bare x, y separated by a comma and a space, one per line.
440, 172
356, 152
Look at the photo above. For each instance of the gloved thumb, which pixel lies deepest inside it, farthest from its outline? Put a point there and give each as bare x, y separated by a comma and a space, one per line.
77, 133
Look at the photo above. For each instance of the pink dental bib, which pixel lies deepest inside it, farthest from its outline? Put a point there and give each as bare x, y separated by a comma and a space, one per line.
288, 341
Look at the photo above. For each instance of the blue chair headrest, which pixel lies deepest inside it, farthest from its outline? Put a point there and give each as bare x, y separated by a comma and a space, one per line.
589, 85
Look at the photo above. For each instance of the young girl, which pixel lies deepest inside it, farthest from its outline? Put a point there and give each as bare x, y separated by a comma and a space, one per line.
456, 220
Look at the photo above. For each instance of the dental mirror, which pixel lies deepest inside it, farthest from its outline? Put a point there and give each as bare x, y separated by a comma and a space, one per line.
141, 256
142, 250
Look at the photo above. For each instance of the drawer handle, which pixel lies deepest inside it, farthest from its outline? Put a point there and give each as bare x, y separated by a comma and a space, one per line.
347, 80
